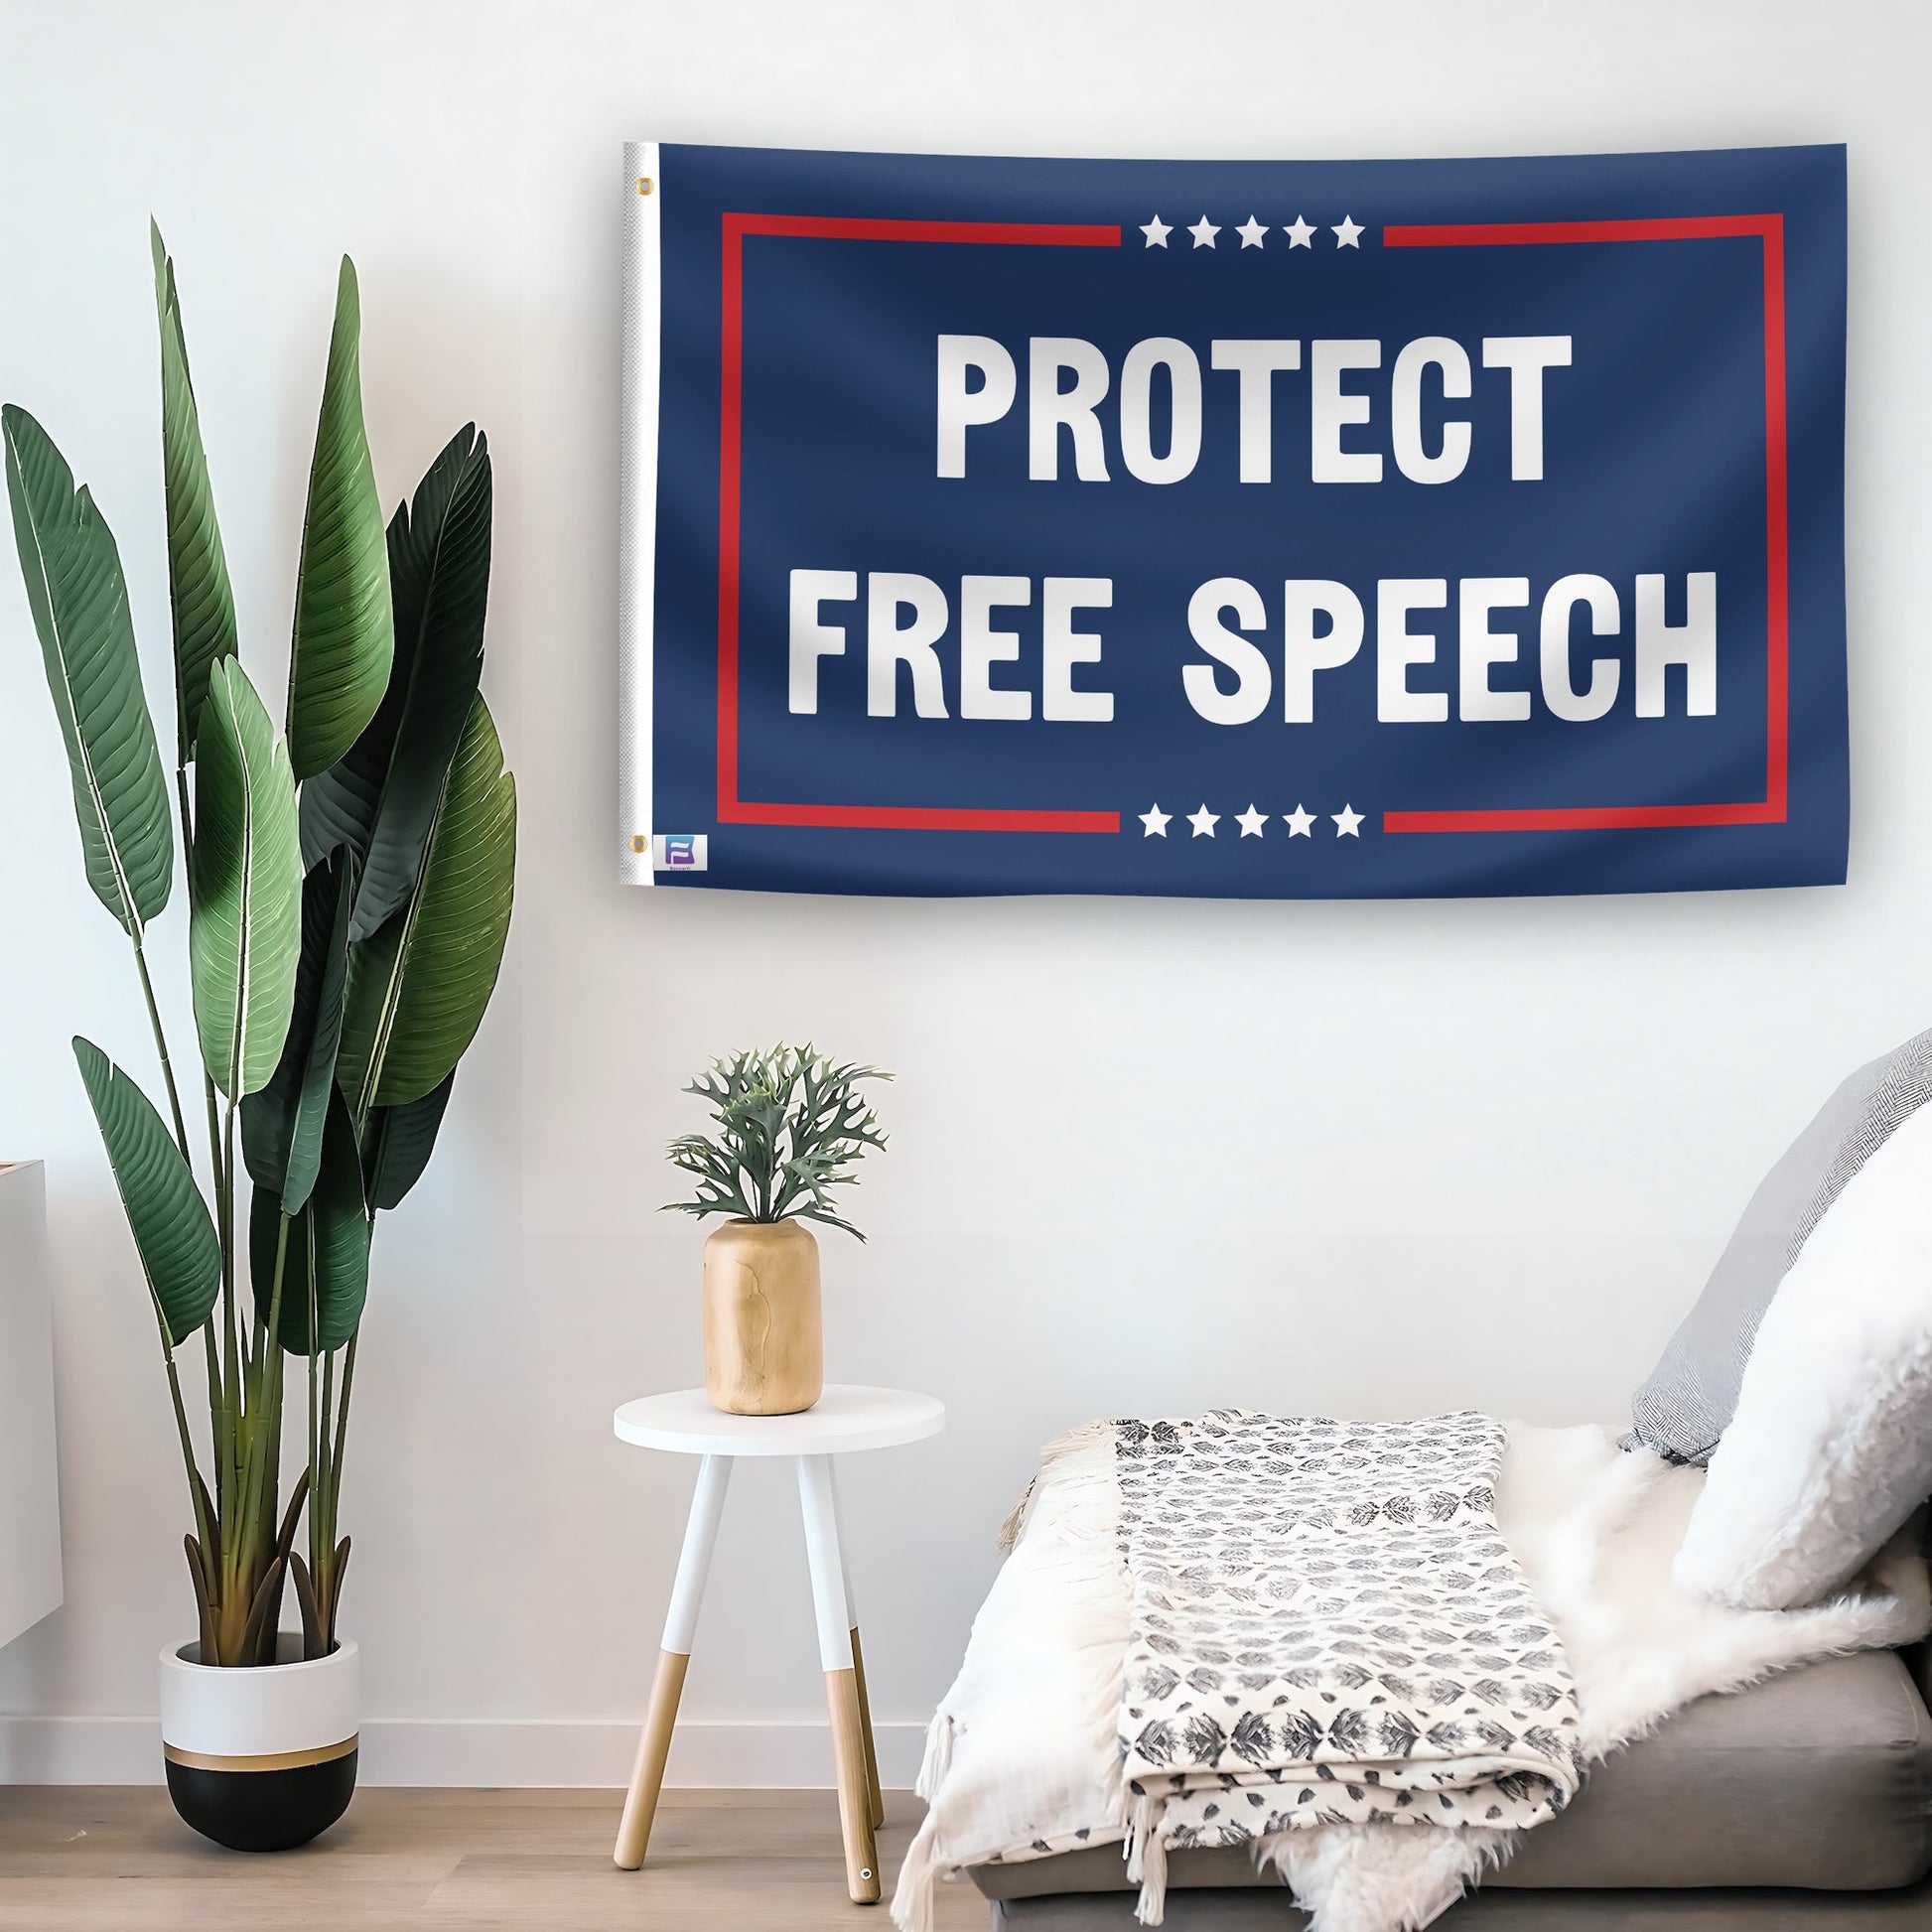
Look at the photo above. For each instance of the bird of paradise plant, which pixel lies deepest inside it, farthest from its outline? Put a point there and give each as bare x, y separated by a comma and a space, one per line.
349, 882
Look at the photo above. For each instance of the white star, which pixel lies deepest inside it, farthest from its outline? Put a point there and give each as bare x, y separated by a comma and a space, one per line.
1156, 821
1299, 823
1203, 232
1203, 822
1300, 235
1349, 234
1156, 233
1348, 823
1251, 822
1251, 232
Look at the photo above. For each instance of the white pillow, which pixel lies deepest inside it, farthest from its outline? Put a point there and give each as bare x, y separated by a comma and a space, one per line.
1829, 1451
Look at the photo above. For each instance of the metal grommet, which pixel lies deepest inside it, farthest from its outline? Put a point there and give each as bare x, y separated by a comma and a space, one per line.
644, 183
638, 842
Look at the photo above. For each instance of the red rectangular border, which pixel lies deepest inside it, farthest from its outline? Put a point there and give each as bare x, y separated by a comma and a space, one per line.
732, 809
1769, 810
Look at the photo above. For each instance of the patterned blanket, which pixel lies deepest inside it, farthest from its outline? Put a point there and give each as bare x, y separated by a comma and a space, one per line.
1327, 1626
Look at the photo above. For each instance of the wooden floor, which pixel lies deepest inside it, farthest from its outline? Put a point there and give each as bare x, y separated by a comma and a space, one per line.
116, 1860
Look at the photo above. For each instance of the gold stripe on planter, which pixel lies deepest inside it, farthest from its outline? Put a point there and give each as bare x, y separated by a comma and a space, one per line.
266, 1761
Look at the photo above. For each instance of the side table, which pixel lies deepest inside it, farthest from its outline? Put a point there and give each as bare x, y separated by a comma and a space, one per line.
845, 1419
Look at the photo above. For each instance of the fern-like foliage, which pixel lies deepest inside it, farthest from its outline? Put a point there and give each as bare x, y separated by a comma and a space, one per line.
791, 1125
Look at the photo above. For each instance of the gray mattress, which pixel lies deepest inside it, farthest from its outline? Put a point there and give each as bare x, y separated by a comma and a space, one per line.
1505, 1911
1806, 1801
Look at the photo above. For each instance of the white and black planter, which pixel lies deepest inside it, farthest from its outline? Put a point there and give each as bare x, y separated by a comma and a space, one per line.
261, 1759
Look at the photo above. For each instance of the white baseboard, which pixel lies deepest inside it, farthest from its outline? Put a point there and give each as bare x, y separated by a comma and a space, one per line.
483, 1752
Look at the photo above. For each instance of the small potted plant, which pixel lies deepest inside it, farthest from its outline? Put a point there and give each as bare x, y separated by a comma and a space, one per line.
789, 1127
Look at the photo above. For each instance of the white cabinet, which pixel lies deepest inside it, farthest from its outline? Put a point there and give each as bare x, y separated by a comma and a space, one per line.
30, 1511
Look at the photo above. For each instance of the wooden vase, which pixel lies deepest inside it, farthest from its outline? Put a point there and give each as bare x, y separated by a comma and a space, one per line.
764, 1345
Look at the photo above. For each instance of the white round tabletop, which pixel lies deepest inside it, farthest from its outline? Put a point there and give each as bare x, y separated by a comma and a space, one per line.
845, 1417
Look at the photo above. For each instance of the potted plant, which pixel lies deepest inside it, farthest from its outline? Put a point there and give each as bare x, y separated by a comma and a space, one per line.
789, 1125
349, 896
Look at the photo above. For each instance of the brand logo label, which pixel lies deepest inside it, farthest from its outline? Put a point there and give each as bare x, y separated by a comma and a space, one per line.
679, 852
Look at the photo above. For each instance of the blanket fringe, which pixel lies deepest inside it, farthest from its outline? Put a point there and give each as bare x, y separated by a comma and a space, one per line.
1146, 1859
939, 1756
913, 1900
1014, 1522
1055, 1451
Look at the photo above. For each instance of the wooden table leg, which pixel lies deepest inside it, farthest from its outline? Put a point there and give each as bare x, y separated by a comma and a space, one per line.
680, 1627
820, 1511
877, 1796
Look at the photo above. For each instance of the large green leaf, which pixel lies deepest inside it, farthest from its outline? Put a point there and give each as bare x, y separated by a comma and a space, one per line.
417, 990
380, 799
344, 630
197, 570
78, 598
173, 1233
281, 1126
244, 934
398, 1142
326, 1264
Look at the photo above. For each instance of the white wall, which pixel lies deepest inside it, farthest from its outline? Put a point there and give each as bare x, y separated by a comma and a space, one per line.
1371, 1159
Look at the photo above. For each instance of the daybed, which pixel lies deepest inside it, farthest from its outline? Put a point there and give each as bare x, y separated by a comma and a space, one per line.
1695, 1692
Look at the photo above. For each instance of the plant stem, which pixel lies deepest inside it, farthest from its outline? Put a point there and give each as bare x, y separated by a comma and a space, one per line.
187, 1450
342, 1409
230, 1347
267, 1412
246, 1557
315, 1438
161, 1047
219, 1432
190, 1467
325, 1539
321, 1521
220, 1396
234, 1415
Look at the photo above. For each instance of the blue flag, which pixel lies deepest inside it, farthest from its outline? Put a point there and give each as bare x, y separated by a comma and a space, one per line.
1299, 529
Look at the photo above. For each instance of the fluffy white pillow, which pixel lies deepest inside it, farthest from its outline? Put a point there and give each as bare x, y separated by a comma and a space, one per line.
1829, 1451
